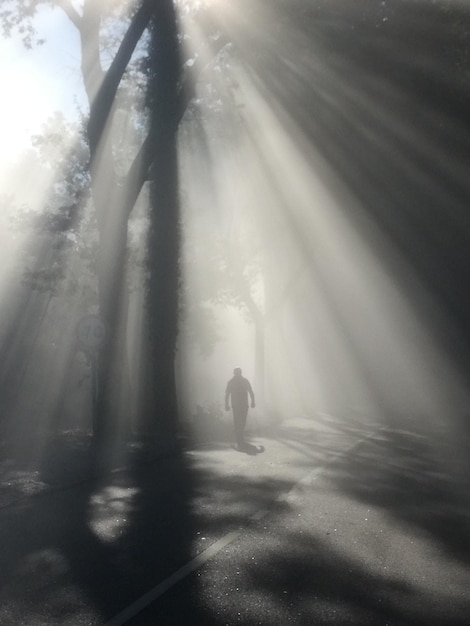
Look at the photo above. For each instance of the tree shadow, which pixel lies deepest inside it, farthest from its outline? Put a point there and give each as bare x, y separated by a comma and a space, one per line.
410, 477
98, 545
101, 545
309, 581
287, 570
94, 544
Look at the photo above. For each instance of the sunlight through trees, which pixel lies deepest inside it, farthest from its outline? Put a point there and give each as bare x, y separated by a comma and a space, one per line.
278, 183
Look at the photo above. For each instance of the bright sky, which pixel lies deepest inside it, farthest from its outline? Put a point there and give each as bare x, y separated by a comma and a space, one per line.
37, 82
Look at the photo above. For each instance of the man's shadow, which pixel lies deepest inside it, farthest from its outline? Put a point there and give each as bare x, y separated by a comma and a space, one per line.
249, 448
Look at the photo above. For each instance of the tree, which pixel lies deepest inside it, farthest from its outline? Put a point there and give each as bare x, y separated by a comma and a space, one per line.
125, 27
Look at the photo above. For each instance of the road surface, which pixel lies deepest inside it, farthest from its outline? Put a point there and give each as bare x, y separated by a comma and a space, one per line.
329, 523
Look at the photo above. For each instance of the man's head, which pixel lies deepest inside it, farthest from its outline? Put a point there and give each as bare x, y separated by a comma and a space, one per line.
237, 371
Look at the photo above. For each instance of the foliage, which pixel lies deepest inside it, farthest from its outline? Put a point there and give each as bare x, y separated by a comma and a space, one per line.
17, 18
117, 77
60, 239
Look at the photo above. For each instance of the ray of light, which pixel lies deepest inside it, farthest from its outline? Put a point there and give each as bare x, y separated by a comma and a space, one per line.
363, 330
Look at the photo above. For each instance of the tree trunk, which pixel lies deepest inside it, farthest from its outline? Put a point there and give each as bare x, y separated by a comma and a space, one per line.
114, 205
259, 364
160, 411
160, 401
112, 358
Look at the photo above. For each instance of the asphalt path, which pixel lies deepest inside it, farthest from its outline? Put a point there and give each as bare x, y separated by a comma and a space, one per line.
328, 523
323, 554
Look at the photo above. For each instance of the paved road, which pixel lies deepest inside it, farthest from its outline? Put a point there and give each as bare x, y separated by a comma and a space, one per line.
333, 550
331, 524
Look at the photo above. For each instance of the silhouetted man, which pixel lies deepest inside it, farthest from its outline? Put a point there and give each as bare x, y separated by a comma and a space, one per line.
238, 390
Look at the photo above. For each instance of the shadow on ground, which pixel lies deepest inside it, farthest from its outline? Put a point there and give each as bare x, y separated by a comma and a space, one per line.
417, 480
92, 543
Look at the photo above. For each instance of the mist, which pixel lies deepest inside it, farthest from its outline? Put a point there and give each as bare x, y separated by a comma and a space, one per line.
322, 189
337, 194
234, 312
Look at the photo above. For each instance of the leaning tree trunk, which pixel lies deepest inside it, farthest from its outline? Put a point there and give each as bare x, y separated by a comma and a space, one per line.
112, 359
167, 98
113, 203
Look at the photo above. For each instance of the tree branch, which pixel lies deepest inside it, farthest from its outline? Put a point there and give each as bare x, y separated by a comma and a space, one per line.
139, 171
92, 71
102, 103
70, 12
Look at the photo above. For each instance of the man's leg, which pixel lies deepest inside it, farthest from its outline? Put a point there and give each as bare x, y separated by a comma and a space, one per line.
239, 418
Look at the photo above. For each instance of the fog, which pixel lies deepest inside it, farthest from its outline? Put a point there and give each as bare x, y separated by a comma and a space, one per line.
324, 193
347, 181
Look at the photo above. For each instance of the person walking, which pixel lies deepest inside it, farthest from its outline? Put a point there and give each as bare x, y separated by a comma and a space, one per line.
237, 392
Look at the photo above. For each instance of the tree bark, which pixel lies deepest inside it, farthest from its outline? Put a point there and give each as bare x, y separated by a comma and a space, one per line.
157, 161
160, 402
160, 411
259, 363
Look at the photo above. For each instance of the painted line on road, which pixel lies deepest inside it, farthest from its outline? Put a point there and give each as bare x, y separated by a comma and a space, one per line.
259, 514
144, 601
308, 479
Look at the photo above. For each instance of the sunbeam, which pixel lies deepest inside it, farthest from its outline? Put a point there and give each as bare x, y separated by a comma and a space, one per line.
360, 330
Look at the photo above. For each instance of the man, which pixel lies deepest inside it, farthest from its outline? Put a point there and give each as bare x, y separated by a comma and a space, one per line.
238, 390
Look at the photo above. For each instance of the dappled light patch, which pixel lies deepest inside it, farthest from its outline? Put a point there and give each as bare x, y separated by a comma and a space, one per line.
110, 510
52, 595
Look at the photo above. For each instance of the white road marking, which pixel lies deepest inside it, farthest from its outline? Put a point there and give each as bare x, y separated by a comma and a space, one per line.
144, 601
259, 514
308, 479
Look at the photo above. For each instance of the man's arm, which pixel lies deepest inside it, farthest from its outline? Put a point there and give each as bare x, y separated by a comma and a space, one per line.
252, 395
